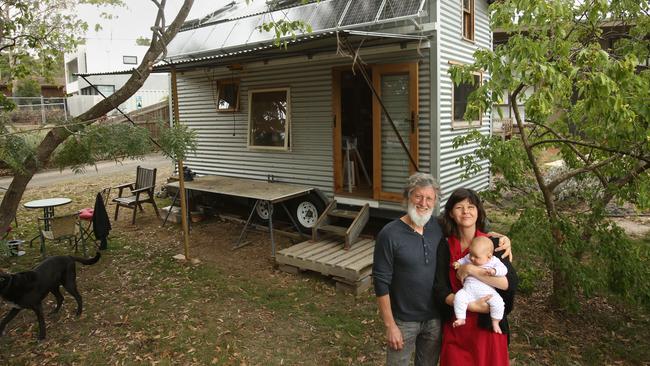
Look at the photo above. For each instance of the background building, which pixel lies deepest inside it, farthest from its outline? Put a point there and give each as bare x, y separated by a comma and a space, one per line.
104, 56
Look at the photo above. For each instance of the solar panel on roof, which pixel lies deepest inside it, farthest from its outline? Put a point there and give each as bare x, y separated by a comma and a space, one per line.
243, 30
322, 16
361, 11
400, 8
303, 13
328, 14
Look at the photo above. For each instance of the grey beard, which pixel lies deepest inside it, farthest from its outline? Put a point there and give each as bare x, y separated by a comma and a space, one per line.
417, 219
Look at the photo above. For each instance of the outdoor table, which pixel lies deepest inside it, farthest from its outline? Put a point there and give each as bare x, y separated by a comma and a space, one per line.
47, 205
260, 191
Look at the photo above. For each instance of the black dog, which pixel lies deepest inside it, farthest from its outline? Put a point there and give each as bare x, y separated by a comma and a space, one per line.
26, 290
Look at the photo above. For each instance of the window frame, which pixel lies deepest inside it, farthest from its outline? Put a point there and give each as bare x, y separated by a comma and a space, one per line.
464, 124
224, 82
287, 144
125, 57
467, 13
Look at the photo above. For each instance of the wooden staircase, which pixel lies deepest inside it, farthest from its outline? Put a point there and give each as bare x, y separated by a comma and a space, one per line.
335, 222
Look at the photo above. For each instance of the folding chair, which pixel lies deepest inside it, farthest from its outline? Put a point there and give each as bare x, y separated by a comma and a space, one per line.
87, 214
61, 228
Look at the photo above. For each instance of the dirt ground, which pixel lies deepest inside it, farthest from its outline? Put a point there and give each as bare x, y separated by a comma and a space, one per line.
236, 308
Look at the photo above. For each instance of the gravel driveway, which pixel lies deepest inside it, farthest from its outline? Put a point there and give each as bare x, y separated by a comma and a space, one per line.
54, 176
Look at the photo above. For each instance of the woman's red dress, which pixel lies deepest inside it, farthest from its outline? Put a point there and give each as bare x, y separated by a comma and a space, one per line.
469, 344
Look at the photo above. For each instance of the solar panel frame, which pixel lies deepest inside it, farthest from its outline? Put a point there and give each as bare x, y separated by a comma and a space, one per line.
361, 12
404, 7
322, 16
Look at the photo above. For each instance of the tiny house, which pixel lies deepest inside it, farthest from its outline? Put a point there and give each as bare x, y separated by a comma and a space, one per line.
351, 108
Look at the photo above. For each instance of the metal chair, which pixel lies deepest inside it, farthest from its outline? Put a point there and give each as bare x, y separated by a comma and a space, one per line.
61, 228
142, 191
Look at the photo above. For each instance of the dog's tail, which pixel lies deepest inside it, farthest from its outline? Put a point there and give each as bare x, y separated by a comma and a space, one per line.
88, 261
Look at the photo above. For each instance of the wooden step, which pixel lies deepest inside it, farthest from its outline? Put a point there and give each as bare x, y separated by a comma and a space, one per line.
346, 214
351, 232
338, 230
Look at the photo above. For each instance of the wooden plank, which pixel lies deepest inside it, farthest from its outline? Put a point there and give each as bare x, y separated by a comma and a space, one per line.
322, 220
341, 255
317, 258
346, 214
361, 264
289, 269
361, 255
338, 230
323, 257
300, 252
247, 188
355, 288
318, 249
357, 225
351, 252
296, 247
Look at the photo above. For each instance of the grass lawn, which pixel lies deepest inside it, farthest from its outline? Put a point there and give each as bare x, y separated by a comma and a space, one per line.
233, 308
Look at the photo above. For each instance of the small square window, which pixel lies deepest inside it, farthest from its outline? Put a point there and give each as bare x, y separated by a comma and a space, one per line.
130, 60
227, 95
461, 94
269, 119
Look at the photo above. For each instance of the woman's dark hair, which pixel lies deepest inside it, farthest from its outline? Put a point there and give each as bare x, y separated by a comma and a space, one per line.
448, 224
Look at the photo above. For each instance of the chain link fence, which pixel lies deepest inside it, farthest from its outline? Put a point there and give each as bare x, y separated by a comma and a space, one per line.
37, 110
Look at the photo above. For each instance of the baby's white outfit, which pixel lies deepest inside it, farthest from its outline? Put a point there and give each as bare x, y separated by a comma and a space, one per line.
473, 289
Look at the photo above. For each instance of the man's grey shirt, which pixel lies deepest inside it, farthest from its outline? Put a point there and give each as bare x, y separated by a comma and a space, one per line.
405, 267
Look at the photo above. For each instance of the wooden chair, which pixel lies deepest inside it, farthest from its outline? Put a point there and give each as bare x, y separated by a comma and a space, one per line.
141, 191
61, 228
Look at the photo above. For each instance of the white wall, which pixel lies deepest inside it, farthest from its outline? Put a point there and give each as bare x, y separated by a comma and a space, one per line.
77, 104
104, 56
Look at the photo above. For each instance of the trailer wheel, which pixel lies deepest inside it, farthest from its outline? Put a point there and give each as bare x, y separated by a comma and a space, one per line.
306, 210
262, 211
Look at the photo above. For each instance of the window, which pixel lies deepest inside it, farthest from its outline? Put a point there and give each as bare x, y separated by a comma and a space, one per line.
468, 19
269, 119
104, 89
227, 95
461, 94
130, 60
73, 68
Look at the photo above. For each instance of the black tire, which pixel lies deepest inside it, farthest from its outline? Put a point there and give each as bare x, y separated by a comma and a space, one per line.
306, 210
261, 213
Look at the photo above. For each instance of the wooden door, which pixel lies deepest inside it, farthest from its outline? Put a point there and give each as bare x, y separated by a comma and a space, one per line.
397, 85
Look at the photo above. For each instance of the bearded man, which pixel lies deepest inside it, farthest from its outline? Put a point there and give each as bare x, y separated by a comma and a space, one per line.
404, 269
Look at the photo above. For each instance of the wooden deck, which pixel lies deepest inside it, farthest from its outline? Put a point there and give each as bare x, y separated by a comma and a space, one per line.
350, 268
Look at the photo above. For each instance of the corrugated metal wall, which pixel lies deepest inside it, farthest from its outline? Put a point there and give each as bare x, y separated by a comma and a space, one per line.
453, 48
222, 136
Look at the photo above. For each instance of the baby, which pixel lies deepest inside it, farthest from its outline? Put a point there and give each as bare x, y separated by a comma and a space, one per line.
480, 254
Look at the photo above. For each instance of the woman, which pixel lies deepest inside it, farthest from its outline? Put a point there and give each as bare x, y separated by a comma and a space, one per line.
473, 344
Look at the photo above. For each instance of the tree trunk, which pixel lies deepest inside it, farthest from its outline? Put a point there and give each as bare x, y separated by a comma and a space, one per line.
58, 135
561, 285
563, 290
